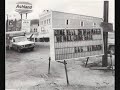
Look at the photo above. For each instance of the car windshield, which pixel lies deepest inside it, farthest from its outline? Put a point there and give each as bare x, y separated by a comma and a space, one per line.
19, 39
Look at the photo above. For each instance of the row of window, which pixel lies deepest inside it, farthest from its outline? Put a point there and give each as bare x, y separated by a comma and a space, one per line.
45, 22
76, 55
77, 32
78, 49
34, 30
81, 23
26, 22
88, 48
69, 38
77, 35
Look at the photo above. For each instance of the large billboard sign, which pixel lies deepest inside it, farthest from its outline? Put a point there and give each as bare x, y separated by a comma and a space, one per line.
23, 7
76, 43
25, 25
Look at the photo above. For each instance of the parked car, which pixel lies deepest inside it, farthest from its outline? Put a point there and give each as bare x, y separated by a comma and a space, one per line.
21, 43
18, 41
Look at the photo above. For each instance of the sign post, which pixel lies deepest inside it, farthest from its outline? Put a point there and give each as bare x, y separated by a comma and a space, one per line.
49, 66
105, 35
66, 72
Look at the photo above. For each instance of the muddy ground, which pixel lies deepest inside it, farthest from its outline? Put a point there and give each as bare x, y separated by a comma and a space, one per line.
29, 71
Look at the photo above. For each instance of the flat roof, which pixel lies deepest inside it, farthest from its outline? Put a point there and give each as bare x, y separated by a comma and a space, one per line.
78, 14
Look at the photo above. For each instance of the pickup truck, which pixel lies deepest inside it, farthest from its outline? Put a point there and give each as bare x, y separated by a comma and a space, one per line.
18, 41
21, 43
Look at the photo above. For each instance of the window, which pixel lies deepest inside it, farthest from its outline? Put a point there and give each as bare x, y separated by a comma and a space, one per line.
49, 21
34, 29
67, 22
81, 23
94, 24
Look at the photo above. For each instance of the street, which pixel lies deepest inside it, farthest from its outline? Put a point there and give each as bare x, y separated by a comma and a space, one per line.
29, 71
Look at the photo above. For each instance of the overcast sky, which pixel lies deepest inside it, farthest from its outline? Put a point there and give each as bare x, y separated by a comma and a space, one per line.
83, 7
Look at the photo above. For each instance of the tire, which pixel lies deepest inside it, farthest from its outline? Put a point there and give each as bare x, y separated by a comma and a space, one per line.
11, 48
112, 50
19, 50
32, 49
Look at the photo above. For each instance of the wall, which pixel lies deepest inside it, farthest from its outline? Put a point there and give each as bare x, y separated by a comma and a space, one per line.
45, 27
59, 20
34, 28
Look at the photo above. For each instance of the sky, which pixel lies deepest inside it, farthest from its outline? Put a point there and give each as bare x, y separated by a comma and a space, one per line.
83, 7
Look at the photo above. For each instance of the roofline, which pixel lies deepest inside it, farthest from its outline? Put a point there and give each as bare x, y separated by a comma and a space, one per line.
78, 14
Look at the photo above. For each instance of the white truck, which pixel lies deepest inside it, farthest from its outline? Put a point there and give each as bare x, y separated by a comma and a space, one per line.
18, 41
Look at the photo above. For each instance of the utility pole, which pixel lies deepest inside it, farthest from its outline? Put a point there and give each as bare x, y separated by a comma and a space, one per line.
105, 34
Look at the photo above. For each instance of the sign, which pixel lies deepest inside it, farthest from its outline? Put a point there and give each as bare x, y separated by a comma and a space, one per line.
26, 25
76, 43
107, 27
23, 7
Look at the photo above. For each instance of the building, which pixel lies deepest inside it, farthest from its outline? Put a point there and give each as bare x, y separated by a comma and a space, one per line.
34, 25
50, 20
72, 35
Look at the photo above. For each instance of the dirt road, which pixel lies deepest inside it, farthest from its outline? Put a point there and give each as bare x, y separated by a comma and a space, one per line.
29, 71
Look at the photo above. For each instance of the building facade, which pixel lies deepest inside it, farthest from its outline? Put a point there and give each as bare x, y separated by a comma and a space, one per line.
71, 33
60, 20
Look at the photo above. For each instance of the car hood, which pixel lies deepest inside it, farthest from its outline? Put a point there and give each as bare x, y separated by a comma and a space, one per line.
23, 43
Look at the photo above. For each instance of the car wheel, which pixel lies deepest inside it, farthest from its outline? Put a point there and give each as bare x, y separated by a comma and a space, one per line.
32, 49
11, 48
18, 49
112, 50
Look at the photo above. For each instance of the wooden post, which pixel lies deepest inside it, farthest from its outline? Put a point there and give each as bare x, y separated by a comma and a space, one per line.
105, 35
49, 66
86, 61
66, 72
